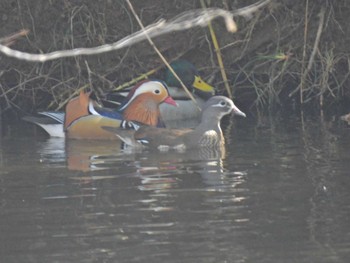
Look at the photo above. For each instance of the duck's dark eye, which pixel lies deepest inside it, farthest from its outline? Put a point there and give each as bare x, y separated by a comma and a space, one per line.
157, 91
223, 103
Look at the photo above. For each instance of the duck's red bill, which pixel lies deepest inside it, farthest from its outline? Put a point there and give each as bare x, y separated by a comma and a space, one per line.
171, 101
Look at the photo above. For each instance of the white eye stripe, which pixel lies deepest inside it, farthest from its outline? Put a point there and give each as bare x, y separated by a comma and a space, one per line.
220, 105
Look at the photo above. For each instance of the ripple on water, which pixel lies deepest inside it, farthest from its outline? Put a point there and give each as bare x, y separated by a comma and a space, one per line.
276, 195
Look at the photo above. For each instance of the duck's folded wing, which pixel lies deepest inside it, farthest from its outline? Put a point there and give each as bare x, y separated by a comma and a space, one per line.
160, 136
46, 117
106, 112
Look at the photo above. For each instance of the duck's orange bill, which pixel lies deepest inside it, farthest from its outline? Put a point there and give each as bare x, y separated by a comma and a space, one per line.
171, 101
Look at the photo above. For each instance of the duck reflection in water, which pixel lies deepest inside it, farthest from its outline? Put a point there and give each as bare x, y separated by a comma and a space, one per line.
90, 155
96, 155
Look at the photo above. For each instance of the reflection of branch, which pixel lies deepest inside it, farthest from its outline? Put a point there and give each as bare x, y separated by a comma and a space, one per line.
182, 22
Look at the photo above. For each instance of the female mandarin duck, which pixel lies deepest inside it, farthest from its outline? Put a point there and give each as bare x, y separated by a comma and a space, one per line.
84, 118
207, 134
189, 75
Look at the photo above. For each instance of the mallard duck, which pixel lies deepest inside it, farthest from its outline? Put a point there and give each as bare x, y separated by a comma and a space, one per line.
84, 118
207, 133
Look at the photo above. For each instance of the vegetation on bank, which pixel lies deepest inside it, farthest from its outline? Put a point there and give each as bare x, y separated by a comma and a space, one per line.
289, 53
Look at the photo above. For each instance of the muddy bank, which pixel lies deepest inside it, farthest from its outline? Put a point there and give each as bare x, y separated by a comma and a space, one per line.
285, 47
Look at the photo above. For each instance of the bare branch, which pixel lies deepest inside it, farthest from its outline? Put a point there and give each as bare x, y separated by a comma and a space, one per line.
182, 22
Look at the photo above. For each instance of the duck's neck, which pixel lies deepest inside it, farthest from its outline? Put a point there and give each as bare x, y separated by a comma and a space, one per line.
145, 112
210, 122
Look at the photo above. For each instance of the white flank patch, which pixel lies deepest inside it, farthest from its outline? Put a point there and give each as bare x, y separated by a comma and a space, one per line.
55, 130
210, 133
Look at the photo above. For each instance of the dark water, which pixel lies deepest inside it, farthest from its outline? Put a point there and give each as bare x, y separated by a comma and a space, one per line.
281, 194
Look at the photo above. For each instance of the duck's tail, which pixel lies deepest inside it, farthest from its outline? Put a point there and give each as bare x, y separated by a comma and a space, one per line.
51, 122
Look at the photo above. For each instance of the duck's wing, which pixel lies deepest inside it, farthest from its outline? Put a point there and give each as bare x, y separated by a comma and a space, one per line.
155, 137
115, 99
46, 117
96, 109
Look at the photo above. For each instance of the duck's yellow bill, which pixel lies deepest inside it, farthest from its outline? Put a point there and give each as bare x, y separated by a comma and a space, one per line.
200, 84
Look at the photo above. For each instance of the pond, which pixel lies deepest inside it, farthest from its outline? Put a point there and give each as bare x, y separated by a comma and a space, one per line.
280, 193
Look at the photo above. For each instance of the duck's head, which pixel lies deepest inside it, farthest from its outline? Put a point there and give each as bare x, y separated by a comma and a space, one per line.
189, 75
143, 100
220, 106
148, 92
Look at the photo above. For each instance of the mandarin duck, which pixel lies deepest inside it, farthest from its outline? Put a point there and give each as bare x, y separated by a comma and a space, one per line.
208, 133
84, 118
189, 75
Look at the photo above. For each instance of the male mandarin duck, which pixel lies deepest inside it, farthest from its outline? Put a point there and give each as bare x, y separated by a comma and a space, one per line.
208, 133
189, 75
84, 118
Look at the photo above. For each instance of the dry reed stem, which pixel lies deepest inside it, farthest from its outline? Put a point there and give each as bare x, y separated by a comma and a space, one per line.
317, 40
303, 76
218, 53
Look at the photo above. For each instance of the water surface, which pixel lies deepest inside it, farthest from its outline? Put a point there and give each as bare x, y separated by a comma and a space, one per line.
279, 194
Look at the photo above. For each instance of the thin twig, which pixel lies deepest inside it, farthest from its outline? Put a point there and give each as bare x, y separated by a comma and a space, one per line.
317, 40
315, 48
313, 53
7, 41
303, 75
137, 79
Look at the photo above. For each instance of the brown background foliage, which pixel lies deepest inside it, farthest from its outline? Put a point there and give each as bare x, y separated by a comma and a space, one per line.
258, 77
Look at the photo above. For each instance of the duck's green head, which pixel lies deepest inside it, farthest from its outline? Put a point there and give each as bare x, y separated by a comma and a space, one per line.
190, 77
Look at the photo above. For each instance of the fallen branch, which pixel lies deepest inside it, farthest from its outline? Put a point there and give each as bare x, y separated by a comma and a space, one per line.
182, 22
